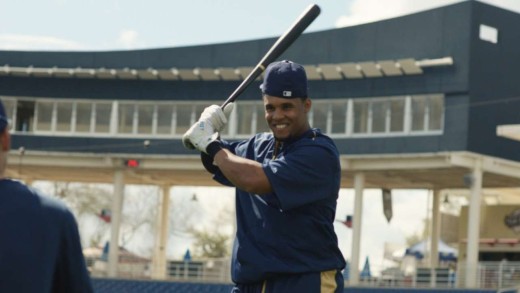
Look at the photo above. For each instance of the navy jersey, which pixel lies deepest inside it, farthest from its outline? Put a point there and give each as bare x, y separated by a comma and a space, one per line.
40, 248
291, 229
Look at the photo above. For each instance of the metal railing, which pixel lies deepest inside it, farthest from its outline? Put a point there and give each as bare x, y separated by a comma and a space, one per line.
503, 276
209, 270
498, 275
489, 275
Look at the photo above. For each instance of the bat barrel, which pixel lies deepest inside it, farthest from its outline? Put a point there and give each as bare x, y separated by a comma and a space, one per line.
283, 42
286, 40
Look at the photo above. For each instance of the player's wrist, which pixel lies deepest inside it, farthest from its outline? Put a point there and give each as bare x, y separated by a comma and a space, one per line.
213, 148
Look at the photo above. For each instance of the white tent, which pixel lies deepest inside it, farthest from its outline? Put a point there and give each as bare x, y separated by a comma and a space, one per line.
446, 252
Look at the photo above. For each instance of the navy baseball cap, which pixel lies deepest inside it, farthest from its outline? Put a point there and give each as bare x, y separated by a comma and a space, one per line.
285, 79
3, 117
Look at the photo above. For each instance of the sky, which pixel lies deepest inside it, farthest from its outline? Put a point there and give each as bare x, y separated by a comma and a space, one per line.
100, 25
106, 25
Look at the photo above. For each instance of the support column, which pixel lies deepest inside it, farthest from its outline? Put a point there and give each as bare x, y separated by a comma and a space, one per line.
359, 182
435, 234
472, 245
117, 206
161, 238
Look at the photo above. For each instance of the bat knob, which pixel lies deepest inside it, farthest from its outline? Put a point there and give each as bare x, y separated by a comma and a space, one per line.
187, 143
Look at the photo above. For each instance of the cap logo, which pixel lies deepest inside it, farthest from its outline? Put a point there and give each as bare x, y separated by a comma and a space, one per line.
287, 93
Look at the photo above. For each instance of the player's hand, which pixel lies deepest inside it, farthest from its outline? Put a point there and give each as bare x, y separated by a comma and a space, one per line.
199, 136
217, 116
213, 119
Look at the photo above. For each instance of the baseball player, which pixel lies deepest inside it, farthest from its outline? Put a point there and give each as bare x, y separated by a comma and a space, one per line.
40, 248
287, 184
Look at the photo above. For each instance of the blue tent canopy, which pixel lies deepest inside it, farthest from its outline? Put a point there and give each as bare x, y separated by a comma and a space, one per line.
365, 273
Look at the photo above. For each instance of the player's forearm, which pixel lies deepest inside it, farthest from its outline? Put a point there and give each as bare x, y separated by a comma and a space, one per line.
245, 174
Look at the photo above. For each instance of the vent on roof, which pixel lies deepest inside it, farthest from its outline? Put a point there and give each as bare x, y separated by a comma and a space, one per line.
488, 34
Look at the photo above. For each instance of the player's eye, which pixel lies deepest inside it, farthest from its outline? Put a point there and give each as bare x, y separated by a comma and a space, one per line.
287, 106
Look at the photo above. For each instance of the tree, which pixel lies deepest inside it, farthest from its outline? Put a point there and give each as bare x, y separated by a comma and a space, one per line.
419, 236
211, 244
139, 217
215, 242
201, 221
210, 231
87, 201
84, 198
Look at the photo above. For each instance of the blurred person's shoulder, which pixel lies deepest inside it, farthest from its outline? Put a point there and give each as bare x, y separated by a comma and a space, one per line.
16, 192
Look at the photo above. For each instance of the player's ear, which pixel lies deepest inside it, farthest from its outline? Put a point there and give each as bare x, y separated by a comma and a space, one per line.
307, 103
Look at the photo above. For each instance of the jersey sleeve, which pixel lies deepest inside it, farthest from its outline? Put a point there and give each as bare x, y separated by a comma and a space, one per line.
306, 174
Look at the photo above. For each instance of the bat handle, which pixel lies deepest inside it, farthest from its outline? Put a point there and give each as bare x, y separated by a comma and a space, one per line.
226, 102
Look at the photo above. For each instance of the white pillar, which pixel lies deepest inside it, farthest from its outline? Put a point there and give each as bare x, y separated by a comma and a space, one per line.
161, 239
359, 182
435, 234
117, 206
472, 245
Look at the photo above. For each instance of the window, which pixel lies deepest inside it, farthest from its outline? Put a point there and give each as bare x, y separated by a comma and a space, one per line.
164, 119
436, 112
379, 116
427, 113
418, 113
198, 108
102, 117
320, 113
360, 116
386, 115
126, 118
83, 116
44, 113
261, 124
397, 115
244, 121
64, 116
145, 119
339, 117
183, 121
25, 116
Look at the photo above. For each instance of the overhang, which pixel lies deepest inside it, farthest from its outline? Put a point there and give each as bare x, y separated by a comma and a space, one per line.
445, 170
366, 69
511, 131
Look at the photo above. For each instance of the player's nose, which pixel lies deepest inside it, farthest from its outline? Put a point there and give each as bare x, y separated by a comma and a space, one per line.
277, 114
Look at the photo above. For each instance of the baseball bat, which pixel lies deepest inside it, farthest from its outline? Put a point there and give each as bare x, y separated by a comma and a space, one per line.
283, 42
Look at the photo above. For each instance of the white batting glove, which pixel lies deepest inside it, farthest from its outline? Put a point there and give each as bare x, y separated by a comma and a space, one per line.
213, 119
199, 136
217, 116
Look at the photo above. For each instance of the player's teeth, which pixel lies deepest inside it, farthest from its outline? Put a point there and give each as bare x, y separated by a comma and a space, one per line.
281, 126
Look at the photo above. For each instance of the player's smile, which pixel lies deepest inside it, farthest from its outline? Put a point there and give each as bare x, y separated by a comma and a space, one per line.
280, 130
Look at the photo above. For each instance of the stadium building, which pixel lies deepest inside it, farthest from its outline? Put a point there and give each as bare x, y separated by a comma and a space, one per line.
428, 100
